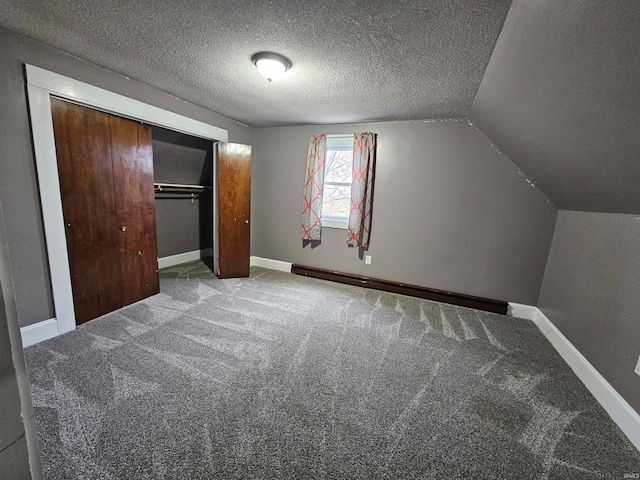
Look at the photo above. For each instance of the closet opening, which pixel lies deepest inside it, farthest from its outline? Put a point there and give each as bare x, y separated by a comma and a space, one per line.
183, 168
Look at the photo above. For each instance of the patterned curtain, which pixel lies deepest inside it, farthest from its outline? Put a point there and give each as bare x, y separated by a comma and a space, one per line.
312, 211
364, 152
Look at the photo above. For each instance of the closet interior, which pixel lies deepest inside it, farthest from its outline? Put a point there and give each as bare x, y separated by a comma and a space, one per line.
183, 186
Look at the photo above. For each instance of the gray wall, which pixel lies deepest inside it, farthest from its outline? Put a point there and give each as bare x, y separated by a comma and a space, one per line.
18, 187
591, 293
19, 450
450, 211
182, 226
14, 459
560, 97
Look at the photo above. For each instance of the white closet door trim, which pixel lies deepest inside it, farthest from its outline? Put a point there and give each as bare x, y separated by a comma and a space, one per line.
111, 102
41, 85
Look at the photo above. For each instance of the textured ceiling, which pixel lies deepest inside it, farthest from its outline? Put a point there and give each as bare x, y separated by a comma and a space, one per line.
561, 97
353, 60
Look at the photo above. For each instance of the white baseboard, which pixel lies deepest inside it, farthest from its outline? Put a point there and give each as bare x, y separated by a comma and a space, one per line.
39, 332
617, 407
172, 260
521, 310
271, 264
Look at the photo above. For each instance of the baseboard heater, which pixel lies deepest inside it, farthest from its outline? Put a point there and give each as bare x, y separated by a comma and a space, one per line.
479, 303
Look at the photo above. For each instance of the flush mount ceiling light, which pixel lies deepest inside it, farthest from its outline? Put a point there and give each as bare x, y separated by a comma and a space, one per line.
271, 65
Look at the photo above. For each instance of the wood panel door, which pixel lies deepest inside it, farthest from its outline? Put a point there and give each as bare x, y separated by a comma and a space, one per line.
234, 209
100, 195
83, 150
132, 158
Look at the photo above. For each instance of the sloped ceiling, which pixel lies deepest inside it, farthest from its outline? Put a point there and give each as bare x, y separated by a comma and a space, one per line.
561, 98
353, 60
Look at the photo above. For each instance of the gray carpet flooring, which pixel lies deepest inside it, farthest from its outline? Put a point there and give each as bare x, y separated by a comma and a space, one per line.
282, 376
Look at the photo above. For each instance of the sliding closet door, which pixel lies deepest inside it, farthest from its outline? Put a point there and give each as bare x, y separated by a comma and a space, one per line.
105, 164
132, 158
83, 149
234, 209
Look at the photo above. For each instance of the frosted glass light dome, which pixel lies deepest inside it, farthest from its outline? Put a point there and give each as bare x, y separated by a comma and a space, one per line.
271, 65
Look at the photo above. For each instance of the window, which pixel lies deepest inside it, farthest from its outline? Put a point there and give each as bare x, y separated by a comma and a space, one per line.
338, 171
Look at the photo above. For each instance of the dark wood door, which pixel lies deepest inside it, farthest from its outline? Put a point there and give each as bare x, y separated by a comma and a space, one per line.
132, 158
234, 209
105, 165
83, 150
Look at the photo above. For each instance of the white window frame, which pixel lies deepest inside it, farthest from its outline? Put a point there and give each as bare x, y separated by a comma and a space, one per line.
337, 142
41, 86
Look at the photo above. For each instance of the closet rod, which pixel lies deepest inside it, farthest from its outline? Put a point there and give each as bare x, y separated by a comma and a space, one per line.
193, 190
163, 186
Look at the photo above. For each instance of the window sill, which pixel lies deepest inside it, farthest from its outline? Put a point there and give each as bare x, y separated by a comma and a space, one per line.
329, 223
